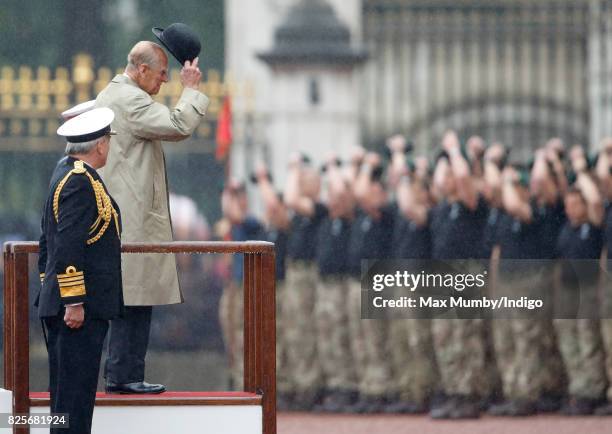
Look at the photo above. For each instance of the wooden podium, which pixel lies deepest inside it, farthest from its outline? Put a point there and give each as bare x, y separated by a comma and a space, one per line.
259, 337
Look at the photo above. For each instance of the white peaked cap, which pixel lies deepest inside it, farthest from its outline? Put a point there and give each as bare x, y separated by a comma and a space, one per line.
87, 126
78, 109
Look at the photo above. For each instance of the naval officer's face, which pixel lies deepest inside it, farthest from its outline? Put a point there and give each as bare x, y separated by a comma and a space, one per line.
103, 147
154, 75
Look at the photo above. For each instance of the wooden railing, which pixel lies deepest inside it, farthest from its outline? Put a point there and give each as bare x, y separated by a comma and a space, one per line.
259, 318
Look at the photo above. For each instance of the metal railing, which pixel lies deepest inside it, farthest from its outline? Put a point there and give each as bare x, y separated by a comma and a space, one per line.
31, 99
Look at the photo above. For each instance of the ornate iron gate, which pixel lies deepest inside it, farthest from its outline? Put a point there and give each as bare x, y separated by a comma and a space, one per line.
509, 70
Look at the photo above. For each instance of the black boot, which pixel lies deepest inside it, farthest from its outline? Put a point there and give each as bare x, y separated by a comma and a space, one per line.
368, 404
548, 403
339, 401
307, 400
604, 410
284, 401
458, 407
399, 406
443, 409
577, 406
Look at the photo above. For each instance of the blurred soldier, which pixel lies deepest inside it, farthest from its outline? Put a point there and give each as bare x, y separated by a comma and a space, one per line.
457, 234
410, 341
579, 338
278, 221
494, 162
302, 197
548, 183
371, 235
603, 170
136, 176
80, 268
244, 227
331, 309
517, 340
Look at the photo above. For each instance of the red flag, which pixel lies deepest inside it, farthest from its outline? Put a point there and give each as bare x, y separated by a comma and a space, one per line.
224, 130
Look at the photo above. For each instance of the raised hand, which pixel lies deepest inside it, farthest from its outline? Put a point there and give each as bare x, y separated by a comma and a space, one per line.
191, 74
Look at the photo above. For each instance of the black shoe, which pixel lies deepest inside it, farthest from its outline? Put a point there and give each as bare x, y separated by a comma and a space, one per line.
438, 399
501, 409
457, 407
338, 401
375, 405
139, 387
284, 401
405, 407
515, 408
359, 406
548, 403
466, 409
603, 410
521, 408
580, 406
368, 405
306, 401
442, 410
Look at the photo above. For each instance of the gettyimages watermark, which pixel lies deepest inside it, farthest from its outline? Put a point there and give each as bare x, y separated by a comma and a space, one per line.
482, 289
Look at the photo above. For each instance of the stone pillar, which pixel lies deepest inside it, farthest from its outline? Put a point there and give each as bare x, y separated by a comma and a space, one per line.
307, 101
314, 105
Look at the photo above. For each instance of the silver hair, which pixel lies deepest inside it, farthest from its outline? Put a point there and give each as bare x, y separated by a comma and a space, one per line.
138, 56
83, 147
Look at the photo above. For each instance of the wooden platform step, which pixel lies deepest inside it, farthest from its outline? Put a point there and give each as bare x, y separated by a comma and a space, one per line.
41, 399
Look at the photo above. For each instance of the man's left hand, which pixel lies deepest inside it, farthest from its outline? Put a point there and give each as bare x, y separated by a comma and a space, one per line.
74, 316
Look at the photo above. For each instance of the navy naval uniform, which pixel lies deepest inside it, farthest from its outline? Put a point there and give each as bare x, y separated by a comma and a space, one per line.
80, 262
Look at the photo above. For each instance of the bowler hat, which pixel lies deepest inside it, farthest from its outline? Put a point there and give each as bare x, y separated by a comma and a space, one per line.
180, 40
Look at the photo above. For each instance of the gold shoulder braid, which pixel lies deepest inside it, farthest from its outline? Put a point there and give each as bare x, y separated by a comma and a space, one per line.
103, 202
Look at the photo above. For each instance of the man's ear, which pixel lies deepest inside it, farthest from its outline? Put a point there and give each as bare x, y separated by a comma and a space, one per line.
99, 146
142, 68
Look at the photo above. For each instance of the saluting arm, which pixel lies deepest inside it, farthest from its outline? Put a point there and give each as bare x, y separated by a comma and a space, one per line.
513, 203
595, 209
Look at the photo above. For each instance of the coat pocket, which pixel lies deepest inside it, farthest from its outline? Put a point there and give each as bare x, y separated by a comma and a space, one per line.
158, 194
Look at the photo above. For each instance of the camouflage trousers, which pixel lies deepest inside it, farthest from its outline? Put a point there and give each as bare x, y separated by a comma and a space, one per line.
460, 349
413, 362
553, 379
368, 339
518, 352
231, 318
284, 383
606, 334
460, 352
300, 328
519, 341
333, 345
606, 322
582, 350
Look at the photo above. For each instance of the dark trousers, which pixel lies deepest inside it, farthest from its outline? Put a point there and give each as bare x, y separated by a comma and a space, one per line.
74, 363
127, 345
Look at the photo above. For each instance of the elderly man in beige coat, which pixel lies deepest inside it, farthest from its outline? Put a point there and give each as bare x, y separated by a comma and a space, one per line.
135, 175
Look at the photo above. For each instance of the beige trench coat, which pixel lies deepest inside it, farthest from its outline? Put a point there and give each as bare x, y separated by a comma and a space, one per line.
135, 175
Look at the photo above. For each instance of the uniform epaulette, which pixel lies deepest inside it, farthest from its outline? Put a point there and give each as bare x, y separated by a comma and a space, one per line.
106, 211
